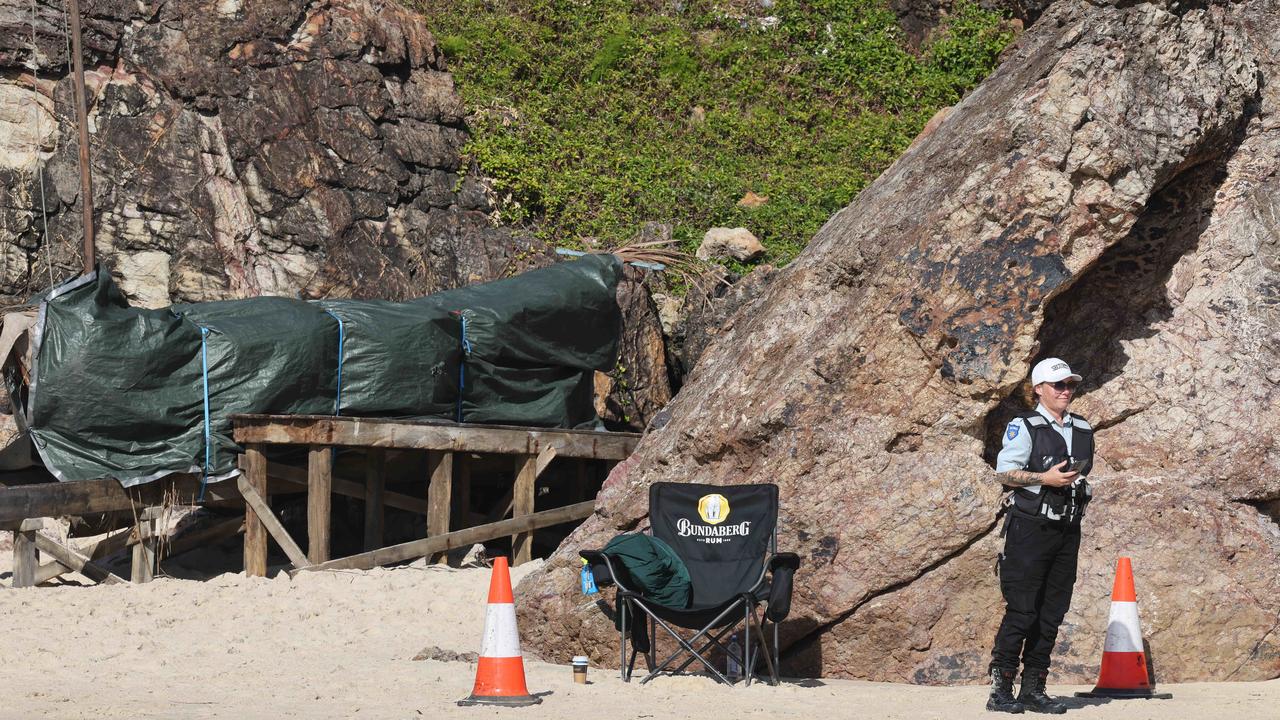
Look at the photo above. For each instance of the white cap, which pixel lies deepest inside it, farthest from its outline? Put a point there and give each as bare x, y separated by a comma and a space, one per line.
1052, 370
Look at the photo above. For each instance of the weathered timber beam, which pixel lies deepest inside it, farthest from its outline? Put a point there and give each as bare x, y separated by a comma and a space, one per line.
97, 550
208, 535
75, 560
297, 477
19, 502
417, 435
506, 505
26, 559
259, 506
522, 499
459, 538
319, 502
143, 569
128, 537
439, 494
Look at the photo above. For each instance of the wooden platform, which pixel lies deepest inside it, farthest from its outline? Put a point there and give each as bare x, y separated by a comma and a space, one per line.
531, 451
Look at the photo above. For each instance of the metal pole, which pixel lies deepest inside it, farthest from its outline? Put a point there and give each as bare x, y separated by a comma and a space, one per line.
82, 119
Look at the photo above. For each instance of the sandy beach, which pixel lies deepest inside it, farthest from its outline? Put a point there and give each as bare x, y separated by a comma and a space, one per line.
341, 645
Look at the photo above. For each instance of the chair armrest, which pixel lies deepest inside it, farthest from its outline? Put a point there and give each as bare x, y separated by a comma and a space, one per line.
784, 560
602, 568
783, 567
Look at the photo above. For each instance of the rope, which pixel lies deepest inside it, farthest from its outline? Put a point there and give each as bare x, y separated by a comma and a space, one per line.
342, 338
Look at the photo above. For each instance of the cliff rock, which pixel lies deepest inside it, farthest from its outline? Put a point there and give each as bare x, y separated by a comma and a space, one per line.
286, 147
1110, 196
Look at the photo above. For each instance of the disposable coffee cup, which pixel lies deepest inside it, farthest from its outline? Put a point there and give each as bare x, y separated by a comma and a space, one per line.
580, 669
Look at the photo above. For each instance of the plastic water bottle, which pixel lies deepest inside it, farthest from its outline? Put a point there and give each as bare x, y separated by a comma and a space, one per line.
588, 580
732, 666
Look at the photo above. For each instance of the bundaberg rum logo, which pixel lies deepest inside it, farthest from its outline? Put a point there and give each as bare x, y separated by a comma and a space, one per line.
713, 508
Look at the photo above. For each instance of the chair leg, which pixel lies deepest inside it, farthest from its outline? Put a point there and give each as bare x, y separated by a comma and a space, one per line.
651, 657
769, 658
777, 656
622, 639
687, 646
746, 644
712, 641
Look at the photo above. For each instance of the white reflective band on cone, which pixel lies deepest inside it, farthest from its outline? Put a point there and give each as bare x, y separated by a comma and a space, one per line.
1123, 633
500, 636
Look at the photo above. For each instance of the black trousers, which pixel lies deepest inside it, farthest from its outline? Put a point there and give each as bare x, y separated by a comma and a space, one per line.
1037, 572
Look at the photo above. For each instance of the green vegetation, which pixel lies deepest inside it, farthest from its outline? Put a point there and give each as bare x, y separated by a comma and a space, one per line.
594, 116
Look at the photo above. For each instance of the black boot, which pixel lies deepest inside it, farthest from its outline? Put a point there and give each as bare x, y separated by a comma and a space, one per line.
1032, 694
1001, 698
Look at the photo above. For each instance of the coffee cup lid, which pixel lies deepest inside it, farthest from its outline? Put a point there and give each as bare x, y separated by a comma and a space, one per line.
580, 659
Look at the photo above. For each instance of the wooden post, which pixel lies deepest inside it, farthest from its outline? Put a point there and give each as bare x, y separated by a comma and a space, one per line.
319, 500
440, 466
375, 485
144, 552
258, 504
254, 466
461, 492
522, 494
26, 559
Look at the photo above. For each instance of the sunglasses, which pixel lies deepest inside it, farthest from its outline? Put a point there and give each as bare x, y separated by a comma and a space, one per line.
1063, 385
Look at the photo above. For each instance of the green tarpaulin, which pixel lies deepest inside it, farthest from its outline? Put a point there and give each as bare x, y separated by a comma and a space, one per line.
137, 394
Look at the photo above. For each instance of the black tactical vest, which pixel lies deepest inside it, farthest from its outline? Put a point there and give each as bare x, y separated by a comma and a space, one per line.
1047, 450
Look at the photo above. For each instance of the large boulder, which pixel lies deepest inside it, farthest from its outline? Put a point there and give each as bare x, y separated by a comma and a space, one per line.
1110, 195
242, 148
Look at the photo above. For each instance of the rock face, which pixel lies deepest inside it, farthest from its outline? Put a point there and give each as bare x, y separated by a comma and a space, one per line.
288, 147
243, 148
1110, 196
639, 385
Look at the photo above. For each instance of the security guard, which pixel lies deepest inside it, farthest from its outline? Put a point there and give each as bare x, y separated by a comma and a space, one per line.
1046, 455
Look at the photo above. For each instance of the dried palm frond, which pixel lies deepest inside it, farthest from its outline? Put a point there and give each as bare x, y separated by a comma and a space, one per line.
701, 278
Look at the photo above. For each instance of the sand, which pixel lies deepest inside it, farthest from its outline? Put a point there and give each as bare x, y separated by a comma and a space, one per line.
340, 645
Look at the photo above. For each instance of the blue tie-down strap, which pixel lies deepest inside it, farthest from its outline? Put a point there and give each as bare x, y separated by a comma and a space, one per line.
342, 339
208, 427
462, 364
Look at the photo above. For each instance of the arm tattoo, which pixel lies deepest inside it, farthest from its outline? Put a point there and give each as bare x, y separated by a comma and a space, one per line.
1018, 478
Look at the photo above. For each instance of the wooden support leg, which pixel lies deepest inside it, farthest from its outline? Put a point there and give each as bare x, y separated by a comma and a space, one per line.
522, 498
254, 466
26, 559
440, 465
375, 485
144, 553
258, 504
319, 500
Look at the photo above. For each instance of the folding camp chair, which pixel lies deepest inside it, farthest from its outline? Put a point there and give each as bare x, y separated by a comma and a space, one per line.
727, 537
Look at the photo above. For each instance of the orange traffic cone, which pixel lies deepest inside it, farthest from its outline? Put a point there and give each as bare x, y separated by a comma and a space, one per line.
1124, 663
500, 676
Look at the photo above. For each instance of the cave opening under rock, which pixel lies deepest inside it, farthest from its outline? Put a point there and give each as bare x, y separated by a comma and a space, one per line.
1121, 297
